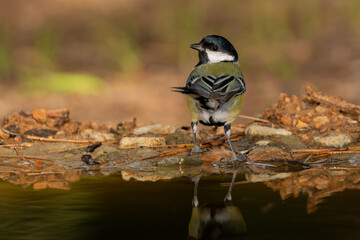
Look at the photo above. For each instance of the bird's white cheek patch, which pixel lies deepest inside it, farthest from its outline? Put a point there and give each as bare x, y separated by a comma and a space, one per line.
214, 56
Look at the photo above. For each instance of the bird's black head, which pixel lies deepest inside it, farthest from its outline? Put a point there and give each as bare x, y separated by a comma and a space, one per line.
214, 48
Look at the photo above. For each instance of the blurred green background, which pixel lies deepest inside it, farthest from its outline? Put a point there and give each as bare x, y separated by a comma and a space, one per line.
111, 60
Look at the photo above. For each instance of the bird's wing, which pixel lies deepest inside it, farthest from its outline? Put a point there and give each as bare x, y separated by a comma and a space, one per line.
210, 87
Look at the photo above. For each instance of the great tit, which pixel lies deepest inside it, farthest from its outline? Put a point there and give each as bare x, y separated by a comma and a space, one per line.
215, 87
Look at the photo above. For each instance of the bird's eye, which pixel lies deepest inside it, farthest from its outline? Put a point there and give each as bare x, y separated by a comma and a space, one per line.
214, 48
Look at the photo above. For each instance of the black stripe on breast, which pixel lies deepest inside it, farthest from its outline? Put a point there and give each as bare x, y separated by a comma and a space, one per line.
212, 122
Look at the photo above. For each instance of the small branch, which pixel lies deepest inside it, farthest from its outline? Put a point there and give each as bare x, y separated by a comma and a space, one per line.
202, 145
324, 152
68, 149
346, 107
337, 168
12, 146
67, 140
254, 118
14, 167
161, 146
18, 153
30, 157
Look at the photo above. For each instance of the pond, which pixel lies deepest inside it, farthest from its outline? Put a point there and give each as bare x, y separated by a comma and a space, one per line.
310, 204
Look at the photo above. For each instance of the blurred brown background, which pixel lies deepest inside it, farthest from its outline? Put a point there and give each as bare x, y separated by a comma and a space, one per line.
111, 60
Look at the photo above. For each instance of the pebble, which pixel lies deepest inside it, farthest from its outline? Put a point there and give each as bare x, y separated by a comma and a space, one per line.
268, 153
99, 136
286, 120
40, 115
154, 129
215, 155
58, 113
320, 121
4, 135
263, 143
333, 139
301, 124
255, 129
141, 141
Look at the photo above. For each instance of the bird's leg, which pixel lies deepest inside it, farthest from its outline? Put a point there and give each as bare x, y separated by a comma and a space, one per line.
196, 147
195, 201
227, 131
228, 197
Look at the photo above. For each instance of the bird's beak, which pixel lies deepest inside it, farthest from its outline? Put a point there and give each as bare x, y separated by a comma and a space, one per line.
197, 46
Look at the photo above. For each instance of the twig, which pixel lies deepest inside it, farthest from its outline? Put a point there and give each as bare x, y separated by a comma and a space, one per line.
14, 167
31, 157
11, 145
18, 153
325, 152
336, 101
325, 149
337, 168
161, 146
254, 118
68, 149
202, 145
67, 140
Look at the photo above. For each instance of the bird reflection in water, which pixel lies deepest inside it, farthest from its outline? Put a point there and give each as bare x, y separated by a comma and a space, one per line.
220, 220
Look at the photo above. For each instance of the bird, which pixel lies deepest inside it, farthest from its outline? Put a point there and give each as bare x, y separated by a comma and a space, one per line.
215, 88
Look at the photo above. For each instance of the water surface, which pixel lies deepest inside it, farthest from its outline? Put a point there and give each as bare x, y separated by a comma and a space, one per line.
108, 207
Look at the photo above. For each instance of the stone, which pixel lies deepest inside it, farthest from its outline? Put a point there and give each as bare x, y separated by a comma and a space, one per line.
333, 139
142, 141
320, 121
301, 124
157, 129
71, 127
263, 143
305, 119
321, 109
58, 185
215, 155
268, 153
290, 142
84, 125
255, 129
178, 137
285, 120
168, 161
39, 115
40, 185
58, 113
127, 176
95, 135
321, 182
4, 135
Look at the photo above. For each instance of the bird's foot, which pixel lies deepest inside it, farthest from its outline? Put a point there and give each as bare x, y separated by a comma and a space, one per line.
196, 149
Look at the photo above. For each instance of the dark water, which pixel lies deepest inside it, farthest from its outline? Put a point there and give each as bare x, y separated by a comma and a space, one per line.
111, 208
